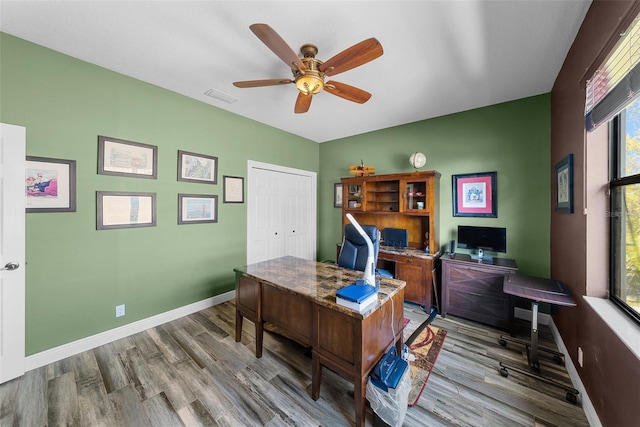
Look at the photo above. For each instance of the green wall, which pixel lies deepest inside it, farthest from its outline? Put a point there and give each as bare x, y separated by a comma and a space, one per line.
75, 274
512, 138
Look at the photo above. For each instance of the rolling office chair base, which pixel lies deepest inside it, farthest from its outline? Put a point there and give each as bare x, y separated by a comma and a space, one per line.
534, 367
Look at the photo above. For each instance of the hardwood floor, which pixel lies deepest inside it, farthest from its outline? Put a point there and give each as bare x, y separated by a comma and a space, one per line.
192, 372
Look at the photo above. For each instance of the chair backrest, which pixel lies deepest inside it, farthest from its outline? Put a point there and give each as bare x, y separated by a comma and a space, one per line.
354, 251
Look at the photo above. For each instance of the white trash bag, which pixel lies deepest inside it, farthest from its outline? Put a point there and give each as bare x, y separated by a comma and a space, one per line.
390, 406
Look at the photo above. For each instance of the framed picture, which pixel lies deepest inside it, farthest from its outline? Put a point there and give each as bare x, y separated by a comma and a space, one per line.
127, 158
50, 185
475, 194
197, 208
125, 210
337, 195
564, 185
194, 167
233, 189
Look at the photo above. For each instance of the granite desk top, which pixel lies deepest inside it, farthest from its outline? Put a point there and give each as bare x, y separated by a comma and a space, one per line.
315, 280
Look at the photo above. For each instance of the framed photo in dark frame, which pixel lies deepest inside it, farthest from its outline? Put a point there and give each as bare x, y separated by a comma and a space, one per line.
475, 195
127, 158
233, 189
197, 208
564, 185
50, 185
337, 195
193, 167
117, 209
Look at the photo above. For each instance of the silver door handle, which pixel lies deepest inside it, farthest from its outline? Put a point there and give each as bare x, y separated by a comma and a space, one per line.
10, 266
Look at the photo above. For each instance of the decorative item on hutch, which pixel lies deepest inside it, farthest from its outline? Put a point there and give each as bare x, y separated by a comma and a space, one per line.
361, 170
417, 160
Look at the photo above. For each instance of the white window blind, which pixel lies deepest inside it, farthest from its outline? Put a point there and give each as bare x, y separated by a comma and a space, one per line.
617, 83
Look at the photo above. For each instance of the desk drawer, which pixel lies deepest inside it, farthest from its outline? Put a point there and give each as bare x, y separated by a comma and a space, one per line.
487, 308
289, 311
474, 291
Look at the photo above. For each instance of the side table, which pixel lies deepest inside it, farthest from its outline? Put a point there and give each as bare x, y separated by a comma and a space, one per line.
537, 290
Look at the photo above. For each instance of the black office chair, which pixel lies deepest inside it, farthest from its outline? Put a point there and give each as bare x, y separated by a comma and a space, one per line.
354, 251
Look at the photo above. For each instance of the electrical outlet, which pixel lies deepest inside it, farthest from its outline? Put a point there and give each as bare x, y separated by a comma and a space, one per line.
120, 310
580, 356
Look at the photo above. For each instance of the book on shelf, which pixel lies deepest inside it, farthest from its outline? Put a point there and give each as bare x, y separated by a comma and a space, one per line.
356, 292
362, 306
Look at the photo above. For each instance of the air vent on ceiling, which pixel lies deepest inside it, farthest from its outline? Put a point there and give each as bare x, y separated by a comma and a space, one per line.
221, 96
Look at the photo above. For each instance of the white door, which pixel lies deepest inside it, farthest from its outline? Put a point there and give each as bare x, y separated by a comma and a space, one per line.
281, 212
297, 207
265, 195
12, 251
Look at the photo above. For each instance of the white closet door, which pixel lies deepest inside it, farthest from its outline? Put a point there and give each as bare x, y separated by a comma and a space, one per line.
276, 235
297, 242
12, 251
281, 212
266, 230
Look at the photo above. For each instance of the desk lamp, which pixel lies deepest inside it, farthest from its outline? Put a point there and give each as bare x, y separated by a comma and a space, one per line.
369, 276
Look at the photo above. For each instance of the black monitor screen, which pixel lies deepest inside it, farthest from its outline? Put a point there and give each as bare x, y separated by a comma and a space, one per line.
487, 238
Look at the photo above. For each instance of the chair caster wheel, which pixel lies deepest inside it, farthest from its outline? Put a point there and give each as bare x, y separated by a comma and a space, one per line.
505, 373
503, 342
558, 360
571, 398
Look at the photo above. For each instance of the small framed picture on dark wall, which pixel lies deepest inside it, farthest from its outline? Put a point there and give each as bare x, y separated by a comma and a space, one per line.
564, 185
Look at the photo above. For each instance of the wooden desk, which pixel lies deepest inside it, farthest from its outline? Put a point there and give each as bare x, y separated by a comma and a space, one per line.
299, 297
415, 267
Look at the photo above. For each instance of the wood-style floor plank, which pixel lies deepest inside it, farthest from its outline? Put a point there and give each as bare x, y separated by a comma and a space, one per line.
63, 409
31, 403
191, 372
95, 409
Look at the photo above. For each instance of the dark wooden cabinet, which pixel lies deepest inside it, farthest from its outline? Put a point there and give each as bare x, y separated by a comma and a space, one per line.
473, 290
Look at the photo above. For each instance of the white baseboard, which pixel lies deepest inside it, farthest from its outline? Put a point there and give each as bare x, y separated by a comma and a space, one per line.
61, 352
583, 397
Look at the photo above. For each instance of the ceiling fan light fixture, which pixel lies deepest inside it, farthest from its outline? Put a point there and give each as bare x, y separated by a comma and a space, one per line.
309, 83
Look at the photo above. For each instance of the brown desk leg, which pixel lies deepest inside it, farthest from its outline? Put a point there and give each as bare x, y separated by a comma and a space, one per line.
259, 335
316, 376
238, 326
360, 397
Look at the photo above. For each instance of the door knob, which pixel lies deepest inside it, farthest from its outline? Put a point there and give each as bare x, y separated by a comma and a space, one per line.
10, 266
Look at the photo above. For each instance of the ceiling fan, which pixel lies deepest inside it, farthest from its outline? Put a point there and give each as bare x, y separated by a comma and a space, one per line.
309, 72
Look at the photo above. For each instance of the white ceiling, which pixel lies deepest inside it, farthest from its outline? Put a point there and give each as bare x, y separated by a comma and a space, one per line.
440, 57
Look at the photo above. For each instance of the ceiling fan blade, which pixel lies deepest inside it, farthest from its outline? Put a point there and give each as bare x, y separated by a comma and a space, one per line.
273, 41
347, 92
356, 55
302, 103
259, 83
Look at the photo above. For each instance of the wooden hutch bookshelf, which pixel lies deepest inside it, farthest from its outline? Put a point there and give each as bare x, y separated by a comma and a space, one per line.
408, 201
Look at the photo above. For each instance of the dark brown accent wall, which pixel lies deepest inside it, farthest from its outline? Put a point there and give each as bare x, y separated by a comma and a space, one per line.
611, 372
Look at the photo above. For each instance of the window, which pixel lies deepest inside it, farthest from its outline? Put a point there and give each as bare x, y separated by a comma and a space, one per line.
625, 210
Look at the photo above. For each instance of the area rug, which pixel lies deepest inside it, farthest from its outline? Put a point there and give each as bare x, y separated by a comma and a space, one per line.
426, 348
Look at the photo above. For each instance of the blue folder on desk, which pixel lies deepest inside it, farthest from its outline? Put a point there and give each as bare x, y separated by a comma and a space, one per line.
356, 293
